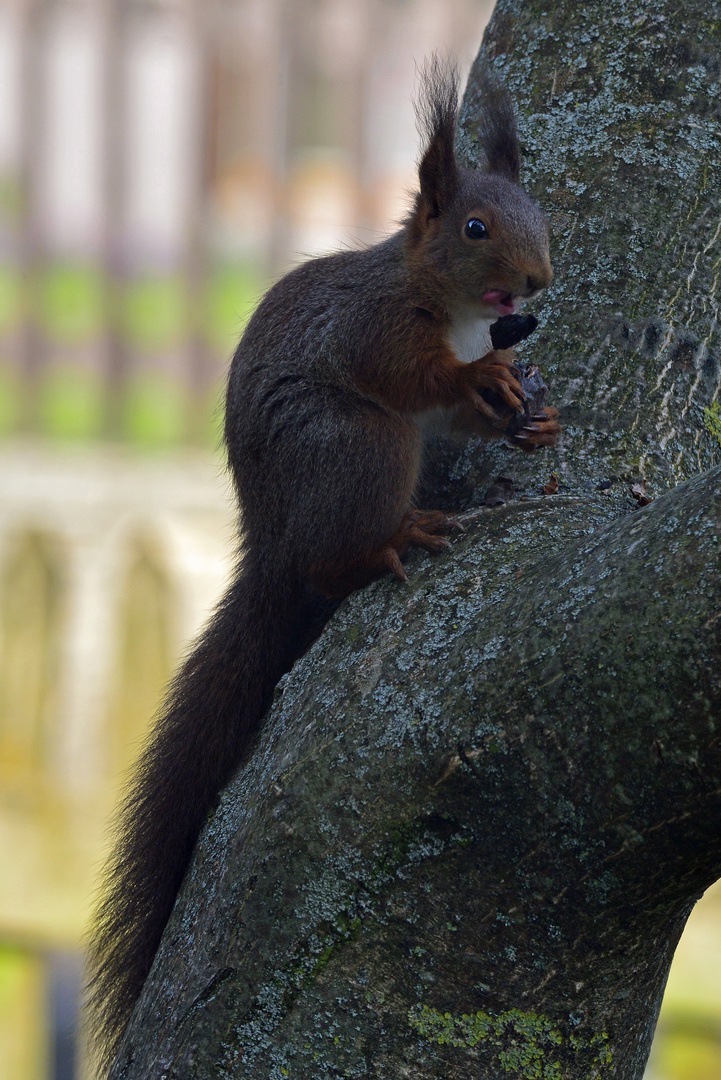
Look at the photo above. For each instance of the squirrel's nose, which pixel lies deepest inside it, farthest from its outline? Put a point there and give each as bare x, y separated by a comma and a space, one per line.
539, 280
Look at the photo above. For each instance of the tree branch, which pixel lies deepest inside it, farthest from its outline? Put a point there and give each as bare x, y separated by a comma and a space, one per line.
476, 820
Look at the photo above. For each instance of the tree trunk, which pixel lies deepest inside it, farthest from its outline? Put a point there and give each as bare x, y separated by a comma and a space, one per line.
484, 803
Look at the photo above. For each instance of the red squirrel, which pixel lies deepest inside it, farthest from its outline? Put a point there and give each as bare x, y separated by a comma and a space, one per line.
343, 364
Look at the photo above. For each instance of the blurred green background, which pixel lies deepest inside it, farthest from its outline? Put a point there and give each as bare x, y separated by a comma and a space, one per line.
72, 307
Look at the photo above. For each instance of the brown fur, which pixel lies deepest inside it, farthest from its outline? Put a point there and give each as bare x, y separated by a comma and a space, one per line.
324, 447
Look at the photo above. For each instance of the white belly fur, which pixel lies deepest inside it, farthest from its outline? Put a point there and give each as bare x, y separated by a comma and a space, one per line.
470, 336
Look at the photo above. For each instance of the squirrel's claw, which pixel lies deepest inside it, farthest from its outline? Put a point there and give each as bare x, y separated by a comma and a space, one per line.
392, 561
541, 429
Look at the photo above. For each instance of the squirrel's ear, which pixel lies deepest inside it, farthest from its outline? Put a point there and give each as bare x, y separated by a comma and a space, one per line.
497, 134
436, 115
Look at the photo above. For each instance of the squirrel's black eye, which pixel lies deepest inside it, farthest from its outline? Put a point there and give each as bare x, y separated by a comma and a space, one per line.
475, 229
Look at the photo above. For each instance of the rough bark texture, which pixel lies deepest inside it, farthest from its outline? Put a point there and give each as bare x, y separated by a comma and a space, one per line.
484, 804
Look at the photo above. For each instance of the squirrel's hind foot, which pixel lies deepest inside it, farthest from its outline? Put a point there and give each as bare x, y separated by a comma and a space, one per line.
426, 529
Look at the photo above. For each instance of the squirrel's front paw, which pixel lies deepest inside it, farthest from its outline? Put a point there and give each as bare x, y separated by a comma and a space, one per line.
534, 424
496, 389
541, 429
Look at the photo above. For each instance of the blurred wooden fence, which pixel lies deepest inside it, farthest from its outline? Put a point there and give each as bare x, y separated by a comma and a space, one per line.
160, 160
108, 565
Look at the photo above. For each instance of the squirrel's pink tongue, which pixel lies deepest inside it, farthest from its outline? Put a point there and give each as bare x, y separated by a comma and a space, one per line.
501, 301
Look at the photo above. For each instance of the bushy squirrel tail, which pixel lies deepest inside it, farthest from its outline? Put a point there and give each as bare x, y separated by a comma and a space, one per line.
204, 731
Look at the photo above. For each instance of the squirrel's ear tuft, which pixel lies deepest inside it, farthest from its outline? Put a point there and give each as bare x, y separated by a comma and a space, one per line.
497, 133
436, 116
